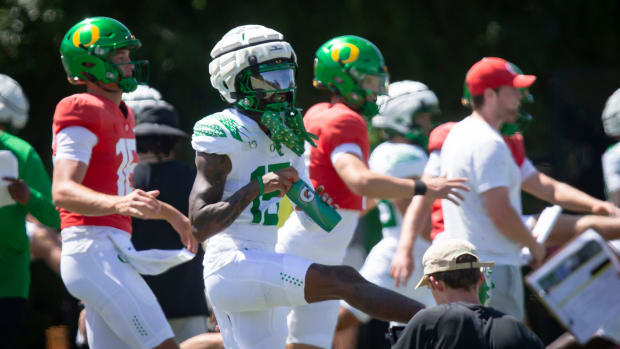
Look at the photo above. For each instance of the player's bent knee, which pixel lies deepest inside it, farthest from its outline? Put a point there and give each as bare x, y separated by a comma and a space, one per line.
346, 319
328, 282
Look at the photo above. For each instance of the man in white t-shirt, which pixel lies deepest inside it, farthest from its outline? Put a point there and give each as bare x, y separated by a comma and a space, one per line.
475, 149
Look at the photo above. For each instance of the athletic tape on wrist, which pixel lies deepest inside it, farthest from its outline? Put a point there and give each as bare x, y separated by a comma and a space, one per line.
261, 189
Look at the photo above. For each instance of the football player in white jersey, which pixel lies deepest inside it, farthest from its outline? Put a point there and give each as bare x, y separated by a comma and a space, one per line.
405, 120
247, 157
611, 174
611, 157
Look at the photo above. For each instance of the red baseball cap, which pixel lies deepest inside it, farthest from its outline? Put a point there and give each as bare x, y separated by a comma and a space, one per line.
493, 72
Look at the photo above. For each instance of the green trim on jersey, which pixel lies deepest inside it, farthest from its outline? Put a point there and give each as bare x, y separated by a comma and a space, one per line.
232, 126
405, 158
212, 126
211, 130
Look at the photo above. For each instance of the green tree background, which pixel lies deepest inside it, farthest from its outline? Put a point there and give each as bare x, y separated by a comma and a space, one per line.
572, 46
430, 41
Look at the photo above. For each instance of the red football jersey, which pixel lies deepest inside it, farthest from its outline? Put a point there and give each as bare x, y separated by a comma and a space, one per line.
113, 158
514, 142
335, 124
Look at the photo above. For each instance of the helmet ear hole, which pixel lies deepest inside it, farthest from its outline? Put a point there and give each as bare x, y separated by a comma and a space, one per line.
88, 64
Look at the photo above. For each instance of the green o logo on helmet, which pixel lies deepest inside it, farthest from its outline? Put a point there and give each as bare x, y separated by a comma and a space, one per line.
353, 68
353, 53
94, 35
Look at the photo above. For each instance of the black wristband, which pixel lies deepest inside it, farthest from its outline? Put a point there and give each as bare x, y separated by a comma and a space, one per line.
419, 188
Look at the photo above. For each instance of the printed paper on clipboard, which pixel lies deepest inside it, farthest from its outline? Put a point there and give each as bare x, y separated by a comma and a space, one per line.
580, 285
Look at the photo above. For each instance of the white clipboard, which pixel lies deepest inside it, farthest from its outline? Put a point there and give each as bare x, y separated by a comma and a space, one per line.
8, 168
580, 285
542, 230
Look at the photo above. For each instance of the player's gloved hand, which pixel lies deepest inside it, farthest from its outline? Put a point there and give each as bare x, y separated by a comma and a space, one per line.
139, 204
402, 266
280, 180
320, 190
18, 189
443, 188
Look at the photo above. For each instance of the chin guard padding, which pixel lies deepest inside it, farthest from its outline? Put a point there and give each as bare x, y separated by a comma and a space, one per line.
287, 128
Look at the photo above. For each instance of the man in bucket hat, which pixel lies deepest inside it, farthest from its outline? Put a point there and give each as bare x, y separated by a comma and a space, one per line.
454, 274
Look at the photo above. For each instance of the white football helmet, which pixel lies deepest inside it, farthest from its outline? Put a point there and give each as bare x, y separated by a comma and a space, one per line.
241, 48
611, 115
14, 105
142, 97
398, 109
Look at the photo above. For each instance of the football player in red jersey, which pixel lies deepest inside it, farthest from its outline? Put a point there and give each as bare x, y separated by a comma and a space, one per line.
353, 70
94, 152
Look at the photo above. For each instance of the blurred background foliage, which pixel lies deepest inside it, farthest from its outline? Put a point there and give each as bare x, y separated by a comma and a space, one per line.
431, 41
572, 46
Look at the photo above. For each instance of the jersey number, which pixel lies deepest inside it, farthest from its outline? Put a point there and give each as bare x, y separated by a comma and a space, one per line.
257, 215
125, 147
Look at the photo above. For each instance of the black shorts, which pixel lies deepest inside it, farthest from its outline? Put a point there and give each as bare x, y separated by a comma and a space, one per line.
12, 311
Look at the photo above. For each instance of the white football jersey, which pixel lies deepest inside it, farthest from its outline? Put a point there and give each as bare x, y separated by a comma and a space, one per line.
252, 154
398, 160
611, 168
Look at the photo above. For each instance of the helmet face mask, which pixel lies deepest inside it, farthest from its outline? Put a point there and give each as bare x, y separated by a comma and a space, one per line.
86, 52
270, 86
353, 68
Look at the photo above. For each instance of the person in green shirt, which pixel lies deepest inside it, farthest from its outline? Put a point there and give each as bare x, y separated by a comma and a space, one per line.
25, 188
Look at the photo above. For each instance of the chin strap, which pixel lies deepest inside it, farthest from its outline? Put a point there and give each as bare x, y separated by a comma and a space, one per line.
100, 85
369, 109
287, 128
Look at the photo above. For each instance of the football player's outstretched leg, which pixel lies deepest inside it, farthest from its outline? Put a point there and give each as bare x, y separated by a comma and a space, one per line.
248, 156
